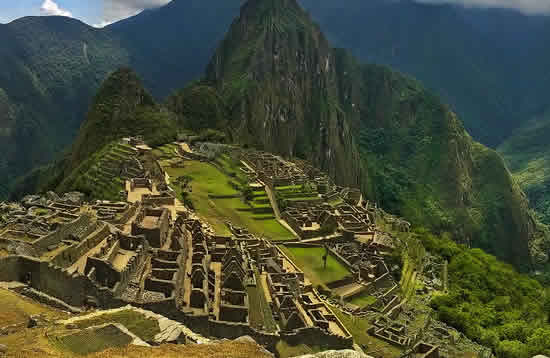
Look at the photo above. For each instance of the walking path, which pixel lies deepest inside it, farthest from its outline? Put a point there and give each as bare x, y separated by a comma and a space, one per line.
277, 212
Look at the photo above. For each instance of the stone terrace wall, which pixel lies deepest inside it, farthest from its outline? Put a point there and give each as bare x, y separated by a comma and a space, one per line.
319, 337
71, 254
73, 228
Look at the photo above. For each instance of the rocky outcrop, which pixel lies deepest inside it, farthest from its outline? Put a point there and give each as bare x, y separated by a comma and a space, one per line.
277, 72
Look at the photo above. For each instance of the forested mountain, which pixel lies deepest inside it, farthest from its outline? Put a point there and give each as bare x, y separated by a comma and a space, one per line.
527, 153
287, 90
489, 65
52, 66
46, 82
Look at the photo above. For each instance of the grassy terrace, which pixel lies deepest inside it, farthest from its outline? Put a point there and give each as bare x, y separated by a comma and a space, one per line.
358, 328
261, 316
143, 327
92, 340
94, 176
216, 198
363, 300
310, 260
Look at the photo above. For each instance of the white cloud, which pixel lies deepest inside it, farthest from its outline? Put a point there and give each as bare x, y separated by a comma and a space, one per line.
114, 10
525, 6
49, 7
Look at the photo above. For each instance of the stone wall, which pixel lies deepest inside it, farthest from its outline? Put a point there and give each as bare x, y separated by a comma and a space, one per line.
317, 337
80, 227
71, 254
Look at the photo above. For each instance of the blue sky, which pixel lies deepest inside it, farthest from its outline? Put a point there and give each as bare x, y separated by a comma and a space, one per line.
93, 12
102, 12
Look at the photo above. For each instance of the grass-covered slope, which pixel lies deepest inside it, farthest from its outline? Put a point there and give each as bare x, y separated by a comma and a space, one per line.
51, 67
425, 167
122, 107
491, 302
289, 92
527, 153
100, 176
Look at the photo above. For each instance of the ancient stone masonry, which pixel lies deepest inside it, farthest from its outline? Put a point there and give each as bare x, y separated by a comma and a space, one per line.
154, 224
295, 306
157, 255
273, 170
350, 222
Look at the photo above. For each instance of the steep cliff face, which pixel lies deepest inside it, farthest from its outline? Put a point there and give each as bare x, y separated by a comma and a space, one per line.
289, 92
277, 73
426, 167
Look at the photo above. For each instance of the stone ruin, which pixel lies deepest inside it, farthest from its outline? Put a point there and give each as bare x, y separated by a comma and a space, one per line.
111, 254
273, 170
350, 222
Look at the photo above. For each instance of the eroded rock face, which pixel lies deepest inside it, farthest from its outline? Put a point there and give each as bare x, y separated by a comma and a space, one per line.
348, 353
280, 75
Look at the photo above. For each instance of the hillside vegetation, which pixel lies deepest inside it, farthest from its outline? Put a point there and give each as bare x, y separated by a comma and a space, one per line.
289, 92
122, 107
469, 56
490, 302
52, 66
528, 155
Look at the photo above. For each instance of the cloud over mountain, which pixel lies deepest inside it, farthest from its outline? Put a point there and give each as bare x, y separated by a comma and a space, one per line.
114, 10
49, 7
525, 6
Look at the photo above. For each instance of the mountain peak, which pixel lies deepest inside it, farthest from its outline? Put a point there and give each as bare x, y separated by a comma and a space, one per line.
287, 12
115, 112
266, 5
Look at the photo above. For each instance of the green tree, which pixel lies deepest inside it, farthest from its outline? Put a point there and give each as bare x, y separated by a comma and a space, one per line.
511, 349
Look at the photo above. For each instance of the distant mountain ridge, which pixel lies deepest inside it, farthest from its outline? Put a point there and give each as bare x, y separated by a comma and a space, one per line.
457, 52
52, 66
490, 65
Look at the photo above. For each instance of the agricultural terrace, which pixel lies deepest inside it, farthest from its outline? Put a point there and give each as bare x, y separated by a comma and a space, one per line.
218, 193
297, 193
310, 260
143, 327
261, 316
358, 327
362, 300
102, 175
91, 340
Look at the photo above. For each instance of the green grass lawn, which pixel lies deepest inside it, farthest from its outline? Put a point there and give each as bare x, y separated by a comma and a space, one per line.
261, 316
94, 340
143, 327
208, 183
231, 166
303, 198
310, 260
363, 300
358, 328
